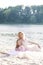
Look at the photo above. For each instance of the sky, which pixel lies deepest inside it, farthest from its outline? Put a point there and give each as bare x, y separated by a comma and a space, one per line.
7, 3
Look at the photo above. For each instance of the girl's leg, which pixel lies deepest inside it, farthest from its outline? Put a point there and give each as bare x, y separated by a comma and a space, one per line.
5, 53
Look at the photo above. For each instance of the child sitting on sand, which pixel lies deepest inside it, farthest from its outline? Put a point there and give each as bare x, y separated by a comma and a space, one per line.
20, 43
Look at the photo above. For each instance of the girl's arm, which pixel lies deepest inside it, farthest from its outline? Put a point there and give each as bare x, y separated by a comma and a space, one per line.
34, 43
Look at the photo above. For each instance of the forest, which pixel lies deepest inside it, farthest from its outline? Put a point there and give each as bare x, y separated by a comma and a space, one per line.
22, 15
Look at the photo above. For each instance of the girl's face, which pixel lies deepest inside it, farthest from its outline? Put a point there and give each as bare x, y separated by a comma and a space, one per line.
20, 35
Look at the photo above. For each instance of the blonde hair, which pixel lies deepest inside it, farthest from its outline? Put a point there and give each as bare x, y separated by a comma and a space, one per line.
23, 34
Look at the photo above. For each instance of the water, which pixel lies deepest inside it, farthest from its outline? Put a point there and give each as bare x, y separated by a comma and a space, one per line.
32, 32
8, 36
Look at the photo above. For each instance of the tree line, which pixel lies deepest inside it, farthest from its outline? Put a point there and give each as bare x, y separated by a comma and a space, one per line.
22, 15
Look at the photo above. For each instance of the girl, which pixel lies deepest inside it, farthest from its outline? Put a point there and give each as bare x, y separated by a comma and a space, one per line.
20, 43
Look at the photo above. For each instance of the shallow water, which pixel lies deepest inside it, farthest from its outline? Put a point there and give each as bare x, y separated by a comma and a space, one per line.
8, 36
32, 32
